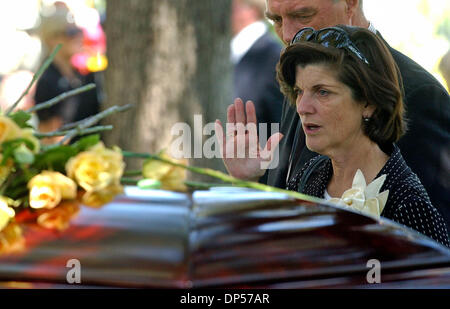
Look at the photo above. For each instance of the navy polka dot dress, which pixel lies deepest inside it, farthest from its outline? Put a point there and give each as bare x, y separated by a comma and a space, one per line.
408, 202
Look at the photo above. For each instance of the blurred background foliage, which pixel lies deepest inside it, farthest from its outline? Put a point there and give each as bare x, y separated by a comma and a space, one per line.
418, 28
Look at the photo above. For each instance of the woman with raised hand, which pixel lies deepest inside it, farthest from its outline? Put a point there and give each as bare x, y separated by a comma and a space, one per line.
347, 91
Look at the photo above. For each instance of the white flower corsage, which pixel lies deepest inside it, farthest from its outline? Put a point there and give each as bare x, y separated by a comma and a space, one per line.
364, 198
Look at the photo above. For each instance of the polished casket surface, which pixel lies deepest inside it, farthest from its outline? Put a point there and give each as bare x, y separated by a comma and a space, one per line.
225, 237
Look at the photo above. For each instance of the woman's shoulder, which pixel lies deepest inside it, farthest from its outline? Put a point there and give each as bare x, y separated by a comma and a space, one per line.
410, 205
405, 188
318, 160
412, 208
400, 178
313, 166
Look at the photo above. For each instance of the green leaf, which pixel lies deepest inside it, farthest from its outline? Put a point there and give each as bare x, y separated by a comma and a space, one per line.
17, 186
7, 152
9, 148
54, 158
23, 155
21, 118
14, 143
86, 142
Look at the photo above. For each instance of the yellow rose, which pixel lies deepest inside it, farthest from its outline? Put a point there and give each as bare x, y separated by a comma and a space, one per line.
6, 213
171, 177
67, 186
8, 129
5, 170
96, 168
12, 240
48, 189
101, 197
44, 193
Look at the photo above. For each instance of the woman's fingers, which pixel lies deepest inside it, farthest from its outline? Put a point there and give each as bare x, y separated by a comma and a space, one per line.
231, 114
237, 119
239, 111
273, 142
220, 137
267, 154
251, 112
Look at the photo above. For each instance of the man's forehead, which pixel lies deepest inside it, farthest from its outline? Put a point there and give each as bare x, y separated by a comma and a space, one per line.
287, 6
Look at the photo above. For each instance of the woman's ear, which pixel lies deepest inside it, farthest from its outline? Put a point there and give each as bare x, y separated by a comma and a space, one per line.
368, 110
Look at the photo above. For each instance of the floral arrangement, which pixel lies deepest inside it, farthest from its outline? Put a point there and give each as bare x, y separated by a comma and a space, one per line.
34, 178
48, 182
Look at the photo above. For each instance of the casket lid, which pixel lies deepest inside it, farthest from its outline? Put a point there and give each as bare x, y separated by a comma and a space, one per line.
227, 237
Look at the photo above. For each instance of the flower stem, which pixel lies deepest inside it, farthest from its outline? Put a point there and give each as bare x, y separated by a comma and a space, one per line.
61, 97
203, 185
132, 173
82, 132
224, 177
36, 76
86, 123
129, 181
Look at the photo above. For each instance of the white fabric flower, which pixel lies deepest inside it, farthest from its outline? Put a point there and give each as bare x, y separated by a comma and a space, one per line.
364, 198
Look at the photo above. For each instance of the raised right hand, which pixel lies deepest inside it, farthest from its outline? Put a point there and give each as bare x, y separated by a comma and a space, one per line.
240, 150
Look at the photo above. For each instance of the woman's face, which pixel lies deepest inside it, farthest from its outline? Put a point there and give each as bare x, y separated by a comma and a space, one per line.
331, 119
71, 44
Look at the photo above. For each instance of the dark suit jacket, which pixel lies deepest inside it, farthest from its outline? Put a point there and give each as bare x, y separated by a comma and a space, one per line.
255, 79
428, 137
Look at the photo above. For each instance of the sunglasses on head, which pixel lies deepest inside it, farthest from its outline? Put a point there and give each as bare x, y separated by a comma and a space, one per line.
329, 37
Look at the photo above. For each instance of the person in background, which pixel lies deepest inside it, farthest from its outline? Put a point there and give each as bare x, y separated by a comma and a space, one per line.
61, 76
427, 106
254, 53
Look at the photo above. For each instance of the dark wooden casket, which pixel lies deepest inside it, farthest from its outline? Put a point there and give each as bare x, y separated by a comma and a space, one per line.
225, 237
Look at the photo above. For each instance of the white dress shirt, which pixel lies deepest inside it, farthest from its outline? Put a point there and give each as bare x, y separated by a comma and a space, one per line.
245, 39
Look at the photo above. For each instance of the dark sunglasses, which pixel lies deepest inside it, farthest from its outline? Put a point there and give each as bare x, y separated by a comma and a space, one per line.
329, 37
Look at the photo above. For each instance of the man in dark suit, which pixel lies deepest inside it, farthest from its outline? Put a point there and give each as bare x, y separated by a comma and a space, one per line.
426, 100
255, 52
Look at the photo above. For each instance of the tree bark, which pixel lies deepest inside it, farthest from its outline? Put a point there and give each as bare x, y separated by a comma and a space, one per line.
170, 58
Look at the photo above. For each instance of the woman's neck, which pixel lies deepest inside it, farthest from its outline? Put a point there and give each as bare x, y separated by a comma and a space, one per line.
367, 156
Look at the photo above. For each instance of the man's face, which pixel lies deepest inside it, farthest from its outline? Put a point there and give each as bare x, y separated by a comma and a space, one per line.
242, 15
289, 16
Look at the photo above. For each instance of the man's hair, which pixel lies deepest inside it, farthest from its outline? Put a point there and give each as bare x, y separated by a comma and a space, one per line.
378, 84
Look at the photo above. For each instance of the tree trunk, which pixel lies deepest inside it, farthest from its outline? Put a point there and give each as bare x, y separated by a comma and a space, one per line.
170, 58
